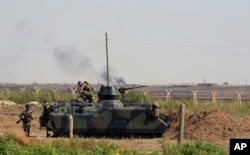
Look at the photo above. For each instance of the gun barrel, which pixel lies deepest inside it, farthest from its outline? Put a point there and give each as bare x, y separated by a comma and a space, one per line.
122, 89
134, 87
18, 121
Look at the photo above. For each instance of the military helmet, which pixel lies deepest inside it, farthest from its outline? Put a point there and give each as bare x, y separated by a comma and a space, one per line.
27, 105
156, 105
79, 83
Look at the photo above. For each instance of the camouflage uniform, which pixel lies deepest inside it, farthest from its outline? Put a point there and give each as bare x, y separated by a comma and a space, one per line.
26, 116
85, 91
155, 110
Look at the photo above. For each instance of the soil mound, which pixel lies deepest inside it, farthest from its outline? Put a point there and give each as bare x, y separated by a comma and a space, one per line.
6, 103
208, 126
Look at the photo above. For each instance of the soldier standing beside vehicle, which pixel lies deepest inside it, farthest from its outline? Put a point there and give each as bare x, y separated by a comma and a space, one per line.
26, 116
85, 91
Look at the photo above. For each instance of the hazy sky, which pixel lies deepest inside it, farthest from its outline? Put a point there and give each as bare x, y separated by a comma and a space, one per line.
149, 42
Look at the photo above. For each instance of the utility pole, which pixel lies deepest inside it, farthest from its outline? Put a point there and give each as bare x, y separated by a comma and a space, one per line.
106, 37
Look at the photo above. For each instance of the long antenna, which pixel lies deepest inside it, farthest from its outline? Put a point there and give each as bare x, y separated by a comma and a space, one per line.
107, 59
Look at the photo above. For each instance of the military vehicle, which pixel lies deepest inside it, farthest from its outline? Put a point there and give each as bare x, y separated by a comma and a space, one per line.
107, 117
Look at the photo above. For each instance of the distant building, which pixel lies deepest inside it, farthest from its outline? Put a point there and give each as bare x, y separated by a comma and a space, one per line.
206, 84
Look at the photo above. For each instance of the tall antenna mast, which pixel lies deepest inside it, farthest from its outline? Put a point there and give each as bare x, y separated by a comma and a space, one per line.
107, 59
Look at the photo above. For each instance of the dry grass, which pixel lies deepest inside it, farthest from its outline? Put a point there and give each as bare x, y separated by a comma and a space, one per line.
21, 139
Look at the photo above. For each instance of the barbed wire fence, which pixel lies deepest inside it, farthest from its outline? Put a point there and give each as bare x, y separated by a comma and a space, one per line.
166, 94
214, 96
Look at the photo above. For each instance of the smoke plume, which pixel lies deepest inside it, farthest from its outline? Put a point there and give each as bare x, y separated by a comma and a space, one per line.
112, 77
72, 63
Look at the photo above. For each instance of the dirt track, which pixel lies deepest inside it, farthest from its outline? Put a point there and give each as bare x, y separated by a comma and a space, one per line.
214, 126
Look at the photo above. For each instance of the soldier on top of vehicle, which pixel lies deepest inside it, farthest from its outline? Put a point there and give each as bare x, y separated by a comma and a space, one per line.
85, 91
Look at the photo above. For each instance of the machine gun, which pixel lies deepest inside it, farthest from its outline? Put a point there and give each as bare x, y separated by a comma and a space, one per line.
19, 121
122, 90
25, 116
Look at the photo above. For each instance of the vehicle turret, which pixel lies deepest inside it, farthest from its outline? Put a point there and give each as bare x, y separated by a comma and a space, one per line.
109, 93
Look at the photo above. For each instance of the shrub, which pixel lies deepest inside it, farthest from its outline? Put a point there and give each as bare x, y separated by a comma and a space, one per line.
42, 150
196, 148
139, 98
8, 145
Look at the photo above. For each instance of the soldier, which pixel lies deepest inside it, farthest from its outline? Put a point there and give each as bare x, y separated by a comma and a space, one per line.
85, 91
26, 116
155, 109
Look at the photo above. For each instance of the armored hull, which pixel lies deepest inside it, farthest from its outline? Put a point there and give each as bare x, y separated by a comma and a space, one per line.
104, 118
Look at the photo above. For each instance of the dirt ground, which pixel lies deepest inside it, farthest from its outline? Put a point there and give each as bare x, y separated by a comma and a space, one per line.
214, 126
210, 126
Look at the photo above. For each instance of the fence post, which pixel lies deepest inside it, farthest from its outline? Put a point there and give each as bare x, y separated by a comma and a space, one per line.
70, 126
195, 96
239, 96
168, 95
54, 93
73, 91
8, 90
145, 92
181, 123
22, 89
54, 90
213, 96
37, 90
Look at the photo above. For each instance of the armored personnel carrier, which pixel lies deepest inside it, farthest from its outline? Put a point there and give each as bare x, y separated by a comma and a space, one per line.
107, 117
